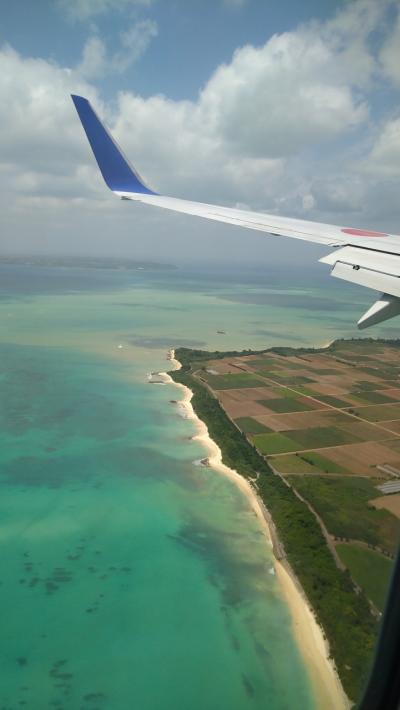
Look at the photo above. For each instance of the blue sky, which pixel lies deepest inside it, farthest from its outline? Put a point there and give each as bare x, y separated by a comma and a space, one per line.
288, 107
194, 37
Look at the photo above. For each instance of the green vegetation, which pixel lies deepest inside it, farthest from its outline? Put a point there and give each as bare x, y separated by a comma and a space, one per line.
366, 385
333, 401
372, 397
227, 382
343, 505
289, 378
320, 436
379, 412
385, 373
340, 419
285, 404
360, 561
251, 426
299, 390
284, 392
322, 464
273, 363
266, 363
288, 364
293, 463
199, 358
297, 439
274, 443
371, 346
345, 615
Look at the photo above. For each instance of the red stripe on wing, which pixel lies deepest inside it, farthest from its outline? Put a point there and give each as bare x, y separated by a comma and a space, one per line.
363, 233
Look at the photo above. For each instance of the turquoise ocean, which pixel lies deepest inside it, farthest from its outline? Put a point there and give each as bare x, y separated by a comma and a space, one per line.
131, 577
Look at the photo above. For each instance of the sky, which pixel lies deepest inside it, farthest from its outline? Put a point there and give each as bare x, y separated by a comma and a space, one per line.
286, 107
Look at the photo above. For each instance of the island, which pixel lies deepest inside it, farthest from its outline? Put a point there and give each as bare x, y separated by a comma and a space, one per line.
315, 435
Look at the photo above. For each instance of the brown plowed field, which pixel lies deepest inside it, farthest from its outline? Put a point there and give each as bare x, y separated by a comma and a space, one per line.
247, 394
296, 420
244, 409
338, 372
391, 503
359, 458
364, 430
393, 426
393, 392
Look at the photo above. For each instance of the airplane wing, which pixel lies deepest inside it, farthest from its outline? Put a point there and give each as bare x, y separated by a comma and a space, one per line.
364, 257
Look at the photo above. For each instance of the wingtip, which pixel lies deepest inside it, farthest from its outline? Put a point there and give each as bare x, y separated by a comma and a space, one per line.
117, 172
76, 98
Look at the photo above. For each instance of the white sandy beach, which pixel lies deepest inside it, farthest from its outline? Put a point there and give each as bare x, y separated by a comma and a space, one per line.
309, 635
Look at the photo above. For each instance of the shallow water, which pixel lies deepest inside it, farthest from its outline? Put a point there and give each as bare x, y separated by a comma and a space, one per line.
131, 577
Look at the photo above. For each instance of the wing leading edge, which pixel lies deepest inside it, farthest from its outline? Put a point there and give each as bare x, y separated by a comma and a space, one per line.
367, 258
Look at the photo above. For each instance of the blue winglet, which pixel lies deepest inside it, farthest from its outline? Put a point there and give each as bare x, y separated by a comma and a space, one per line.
115, 169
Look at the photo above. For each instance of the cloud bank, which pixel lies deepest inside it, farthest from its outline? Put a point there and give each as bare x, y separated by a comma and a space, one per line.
288, 127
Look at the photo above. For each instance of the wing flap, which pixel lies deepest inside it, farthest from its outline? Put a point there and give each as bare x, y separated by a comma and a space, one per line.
366, 268
366, 277
366, 258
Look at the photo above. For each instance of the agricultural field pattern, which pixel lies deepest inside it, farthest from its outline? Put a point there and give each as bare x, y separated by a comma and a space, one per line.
328, 423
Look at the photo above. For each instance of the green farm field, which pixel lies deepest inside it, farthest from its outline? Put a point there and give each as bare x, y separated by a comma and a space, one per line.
318, 437
298, 439
360, 561
321, 463
373, 397
274, 443
378, 413
285, 404
333, 401
289, 378
342, 502
291, 463
251, 426
306, 462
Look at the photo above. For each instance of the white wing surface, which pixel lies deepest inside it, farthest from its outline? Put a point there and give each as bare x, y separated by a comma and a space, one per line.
367, 258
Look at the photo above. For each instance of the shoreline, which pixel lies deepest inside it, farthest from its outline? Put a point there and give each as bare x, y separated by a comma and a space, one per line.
309, 635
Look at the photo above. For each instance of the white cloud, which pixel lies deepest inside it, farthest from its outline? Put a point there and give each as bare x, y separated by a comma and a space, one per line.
134, 42
339, 193
254, 117
384, 158
301, 87
85, 9
269, 129
390, 53
96, 62
171, 142
274, 100
94, 58
38, 136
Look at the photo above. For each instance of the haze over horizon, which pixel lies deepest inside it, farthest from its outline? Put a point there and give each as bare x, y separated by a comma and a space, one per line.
290, 109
